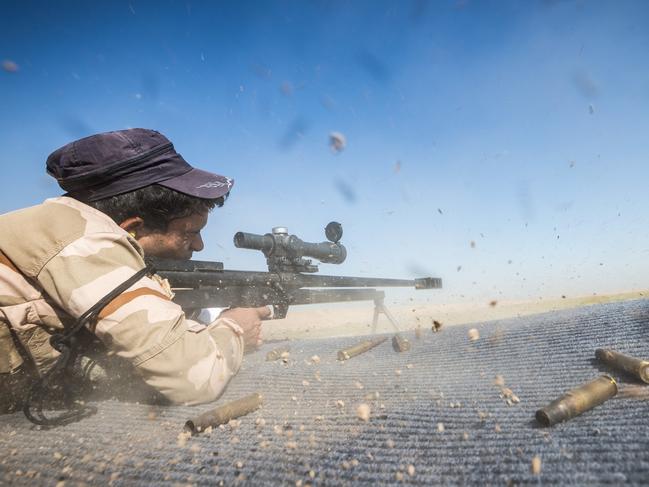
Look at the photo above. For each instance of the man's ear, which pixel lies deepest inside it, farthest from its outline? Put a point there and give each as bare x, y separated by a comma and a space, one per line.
133, 225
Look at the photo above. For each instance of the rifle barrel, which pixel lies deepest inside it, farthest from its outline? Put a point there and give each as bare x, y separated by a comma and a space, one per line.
181, 279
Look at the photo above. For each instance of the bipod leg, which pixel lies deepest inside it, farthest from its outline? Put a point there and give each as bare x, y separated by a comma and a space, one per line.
390, 317
379, 307
375, 318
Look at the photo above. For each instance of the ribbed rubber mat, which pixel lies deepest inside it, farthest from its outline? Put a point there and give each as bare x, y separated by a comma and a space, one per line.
436, 416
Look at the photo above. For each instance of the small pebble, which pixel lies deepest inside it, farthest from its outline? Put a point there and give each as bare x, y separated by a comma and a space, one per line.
182, 438
363, 412
474, 334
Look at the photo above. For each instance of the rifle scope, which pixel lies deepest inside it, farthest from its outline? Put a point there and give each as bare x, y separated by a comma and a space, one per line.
280, 244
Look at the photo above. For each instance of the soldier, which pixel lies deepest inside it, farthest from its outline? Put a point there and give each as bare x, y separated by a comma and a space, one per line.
129, 194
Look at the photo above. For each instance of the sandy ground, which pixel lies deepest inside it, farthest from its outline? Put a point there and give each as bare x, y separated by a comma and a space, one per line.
356, 319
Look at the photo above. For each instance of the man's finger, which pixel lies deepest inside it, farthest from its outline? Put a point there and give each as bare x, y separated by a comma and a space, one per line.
264, 312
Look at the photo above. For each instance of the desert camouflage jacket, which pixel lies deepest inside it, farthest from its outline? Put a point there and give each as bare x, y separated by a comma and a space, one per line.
57, 259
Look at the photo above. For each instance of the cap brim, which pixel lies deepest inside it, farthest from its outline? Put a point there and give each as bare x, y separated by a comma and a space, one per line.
201, 184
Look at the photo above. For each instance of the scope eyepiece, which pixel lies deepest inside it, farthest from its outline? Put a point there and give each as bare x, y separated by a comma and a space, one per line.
243, 240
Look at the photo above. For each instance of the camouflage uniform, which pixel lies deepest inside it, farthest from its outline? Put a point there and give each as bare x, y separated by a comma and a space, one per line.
57, 259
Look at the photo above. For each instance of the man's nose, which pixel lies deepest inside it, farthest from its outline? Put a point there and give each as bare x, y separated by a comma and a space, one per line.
197, 243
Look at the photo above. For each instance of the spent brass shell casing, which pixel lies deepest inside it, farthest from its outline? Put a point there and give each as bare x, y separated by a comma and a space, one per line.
359, 348
277, 353
225, 413
618, 361
577, 401
400, 344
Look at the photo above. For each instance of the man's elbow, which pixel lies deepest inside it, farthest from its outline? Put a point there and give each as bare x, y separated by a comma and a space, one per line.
203, 381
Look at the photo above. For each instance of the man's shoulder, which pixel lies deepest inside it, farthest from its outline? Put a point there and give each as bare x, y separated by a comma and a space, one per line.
32, 235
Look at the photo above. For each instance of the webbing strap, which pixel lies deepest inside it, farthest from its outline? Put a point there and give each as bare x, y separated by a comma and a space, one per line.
68, 345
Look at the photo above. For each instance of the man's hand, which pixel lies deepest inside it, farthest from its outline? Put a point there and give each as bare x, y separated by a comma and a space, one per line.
249, 319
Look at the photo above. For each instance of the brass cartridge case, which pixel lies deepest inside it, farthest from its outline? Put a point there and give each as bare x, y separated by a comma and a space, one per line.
618, 361
359, 348
276, 353
225, 413
578, 401
400, 344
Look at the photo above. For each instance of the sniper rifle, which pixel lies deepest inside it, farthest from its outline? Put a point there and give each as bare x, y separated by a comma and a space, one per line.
290, 280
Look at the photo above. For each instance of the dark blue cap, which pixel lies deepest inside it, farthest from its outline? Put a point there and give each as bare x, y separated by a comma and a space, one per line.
112, 163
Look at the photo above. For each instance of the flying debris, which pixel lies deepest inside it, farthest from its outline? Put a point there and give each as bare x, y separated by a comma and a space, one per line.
327, 102
373, 66
294, 133
286, 88
337, 142
9, 66
346, 191
262, 71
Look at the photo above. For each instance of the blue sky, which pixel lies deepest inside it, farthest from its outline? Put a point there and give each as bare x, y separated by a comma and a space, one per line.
524, 122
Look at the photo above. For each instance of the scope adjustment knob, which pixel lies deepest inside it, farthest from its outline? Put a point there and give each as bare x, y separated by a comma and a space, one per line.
334, 232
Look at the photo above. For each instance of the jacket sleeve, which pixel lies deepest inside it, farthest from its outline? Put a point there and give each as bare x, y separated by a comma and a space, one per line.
187, 362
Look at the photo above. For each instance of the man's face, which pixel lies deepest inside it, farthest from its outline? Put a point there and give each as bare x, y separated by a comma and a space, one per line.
179, 241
